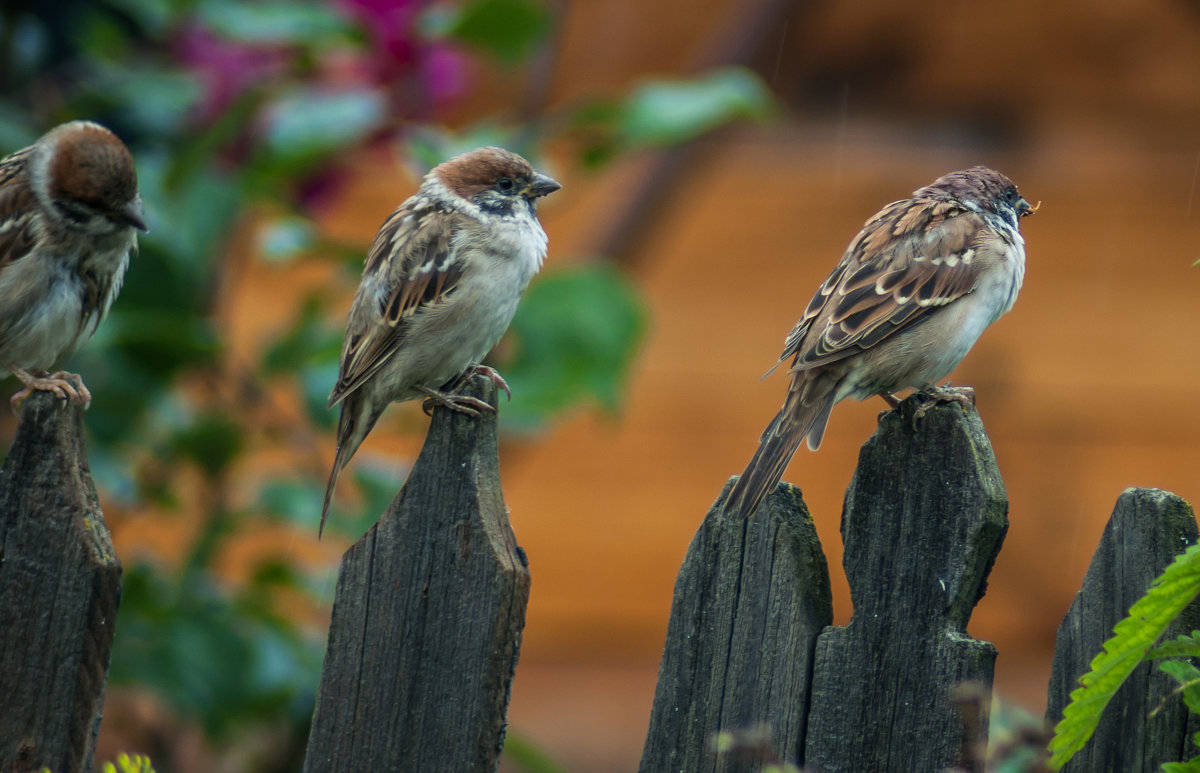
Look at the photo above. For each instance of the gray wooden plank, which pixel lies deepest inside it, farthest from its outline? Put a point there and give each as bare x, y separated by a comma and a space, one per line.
60, 586
924, 517
427, 617
1147, 529
750, 600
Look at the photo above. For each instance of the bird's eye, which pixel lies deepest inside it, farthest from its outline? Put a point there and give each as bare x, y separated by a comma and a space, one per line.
1010, 193
73, 212
506, 185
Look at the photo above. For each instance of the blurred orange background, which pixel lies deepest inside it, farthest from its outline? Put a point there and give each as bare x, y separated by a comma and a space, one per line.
1088, 386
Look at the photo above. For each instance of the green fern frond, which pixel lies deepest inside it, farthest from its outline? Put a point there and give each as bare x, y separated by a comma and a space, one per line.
1188, 677
1191, 766
1132, 638
1182, 646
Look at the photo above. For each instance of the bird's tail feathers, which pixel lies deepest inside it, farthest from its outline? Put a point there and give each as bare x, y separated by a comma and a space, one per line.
358, 418
329, 488
765, 469
804, 414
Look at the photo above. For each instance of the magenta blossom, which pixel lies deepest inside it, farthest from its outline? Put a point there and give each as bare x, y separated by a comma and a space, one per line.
227, 68
404, 61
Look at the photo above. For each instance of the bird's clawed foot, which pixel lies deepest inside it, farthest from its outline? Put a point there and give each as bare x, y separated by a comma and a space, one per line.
494, 375
448, 396
68, 387
472, 406
964, 396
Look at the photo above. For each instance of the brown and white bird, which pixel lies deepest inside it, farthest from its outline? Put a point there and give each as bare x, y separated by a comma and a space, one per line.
911, 295
69, 207
440, 286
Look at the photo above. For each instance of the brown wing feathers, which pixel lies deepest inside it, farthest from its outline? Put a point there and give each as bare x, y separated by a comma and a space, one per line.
427, 274
16, 196
856, 309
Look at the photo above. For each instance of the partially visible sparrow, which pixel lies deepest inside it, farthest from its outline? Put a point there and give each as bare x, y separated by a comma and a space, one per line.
440, 286
69, 205
911, 295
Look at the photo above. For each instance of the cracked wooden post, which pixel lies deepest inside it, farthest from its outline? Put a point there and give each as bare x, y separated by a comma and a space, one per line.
1141, 727
750, 600
60, 586
923, 520
427, 617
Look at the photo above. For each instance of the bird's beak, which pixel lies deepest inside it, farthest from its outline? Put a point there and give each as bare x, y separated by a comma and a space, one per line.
132, 214
541, 185
1025, 210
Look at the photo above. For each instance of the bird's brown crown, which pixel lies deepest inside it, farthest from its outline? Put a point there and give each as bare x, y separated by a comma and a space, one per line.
91, 165
471, 172
979, 183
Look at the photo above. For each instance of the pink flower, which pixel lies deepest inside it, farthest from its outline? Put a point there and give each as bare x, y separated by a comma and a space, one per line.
412, 68
227, 68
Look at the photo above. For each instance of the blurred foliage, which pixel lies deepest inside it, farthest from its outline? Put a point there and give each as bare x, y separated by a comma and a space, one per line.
240, 117
750, 743
572, 342
528, 757
124, 764
127, 764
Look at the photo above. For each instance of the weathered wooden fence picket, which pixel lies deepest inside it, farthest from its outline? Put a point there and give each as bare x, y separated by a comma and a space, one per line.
1144, 726
427, 617
923, 520
60, 586
749, 645
430, 605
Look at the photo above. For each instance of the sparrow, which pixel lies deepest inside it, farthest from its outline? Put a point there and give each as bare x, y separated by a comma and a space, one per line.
439, 287
69, 212
911, 295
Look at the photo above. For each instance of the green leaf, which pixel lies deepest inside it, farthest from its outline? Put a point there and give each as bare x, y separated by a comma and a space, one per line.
310, 339
1183, 646
1191, 766
427, 146
153, 98
575, 334
310, 121
1188, 677
1132, 638
211, 442
667, 112
209, 654
283, 239
509, 30
190, 217
308, 351
272, 23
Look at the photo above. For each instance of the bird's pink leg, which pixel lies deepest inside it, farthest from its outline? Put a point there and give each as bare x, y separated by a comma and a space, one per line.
68, 386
